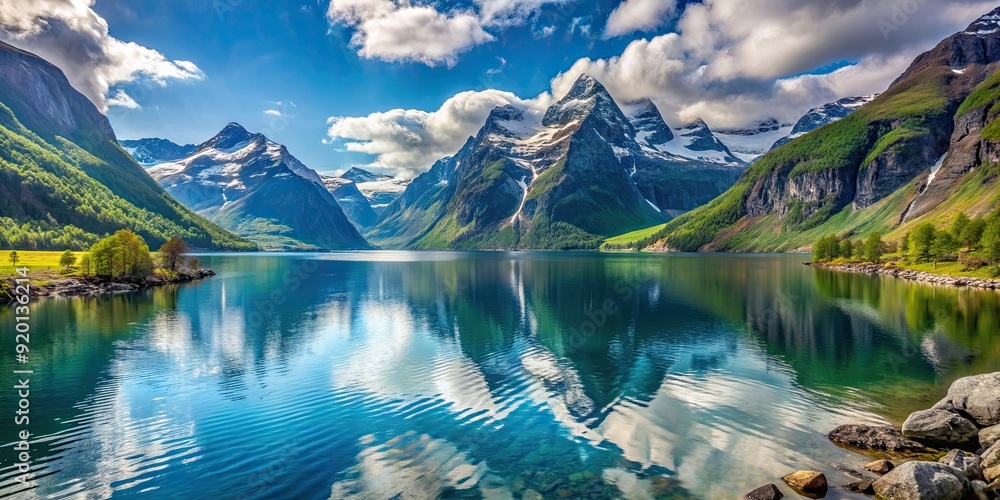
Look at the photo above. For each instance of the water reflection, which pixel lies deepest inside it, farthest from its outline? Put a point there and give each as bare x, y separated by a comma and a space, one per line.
496, 375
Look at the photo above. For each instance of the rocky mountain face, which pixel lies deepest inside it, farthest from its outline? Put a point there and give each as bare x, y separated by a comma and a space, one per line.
152, 151
565, 178
65, 180
894, 159
356, 206
254, 187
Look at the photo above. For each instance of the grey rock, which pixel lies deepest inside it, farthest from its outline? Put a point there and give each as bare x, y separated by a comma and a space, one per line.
969, 464
922, 481
977, 397
766, 492
979, 490
873, 437
940, 427
864, 485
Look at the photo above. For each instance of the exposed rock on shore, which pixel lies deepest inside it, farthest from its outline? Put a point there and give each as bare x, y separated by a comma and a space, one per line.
909, 274
75, 287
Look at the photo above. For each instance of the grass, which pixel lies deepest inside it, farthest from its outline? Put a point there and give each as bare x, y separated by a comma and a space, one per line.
641, 234
947, 269
34, 260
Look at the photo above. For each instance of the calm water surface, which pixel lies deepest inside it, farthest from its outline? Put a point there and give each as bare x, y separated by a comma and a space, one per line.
468, 375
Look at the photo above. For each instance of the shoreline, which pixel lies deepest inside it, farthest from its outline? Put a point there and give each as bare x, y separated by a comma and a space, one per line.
93, 285
911, 275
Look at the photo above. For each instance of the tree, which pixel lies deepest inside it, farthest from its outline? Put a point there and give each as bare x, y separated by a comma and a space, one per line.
826, 249
922, 240
972, 233
14, 257
991, 238
67, 259
172, 252
846, 248
874, 248
959, 224
85, 264
904, 244
858, 248
944, 244
121, 254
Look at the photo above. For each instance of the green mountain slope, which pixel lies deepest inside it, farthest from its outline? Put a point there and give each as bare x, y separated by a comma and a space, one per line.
65, 180
871, 171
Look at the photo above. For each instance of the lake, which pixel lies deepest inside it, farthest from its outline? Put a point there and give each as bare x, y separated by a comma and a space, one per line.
469, 375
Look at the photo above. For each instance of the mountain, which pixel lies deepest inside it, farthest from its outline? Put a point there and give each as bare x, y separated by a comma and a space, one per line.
565, 178
824, 115
356, 206
65, 181
751, 142
921, 151
381, 190
696, 141
149, 152
256, 188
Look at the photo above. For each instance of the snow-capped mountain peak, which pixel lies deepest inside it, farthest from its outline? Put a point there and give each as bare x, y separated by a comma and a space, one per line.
650, 129
749, 143
986, 25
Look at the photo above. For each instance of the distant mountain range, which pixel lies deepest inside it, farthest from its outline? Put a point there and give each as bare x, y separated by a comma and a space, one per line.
257, 189
65, 182
922, 151
565, 178
149, 152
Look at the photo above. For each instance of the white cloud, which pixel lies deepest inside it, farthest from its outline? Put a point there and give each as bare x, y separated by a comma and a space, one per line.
409, 141
402, 32
122, 100
509, 12
272, 112
69, 34
639, 15
729, 64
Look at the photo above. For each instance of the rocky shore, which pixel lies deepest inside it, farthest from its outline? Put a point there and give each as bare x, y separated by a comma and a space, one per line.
909, 274
950, 451
94, 285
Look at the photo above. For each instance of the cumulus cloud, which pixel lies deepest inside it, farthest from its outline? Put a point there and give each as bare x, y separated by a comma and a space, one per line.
272, 112
69, 34
639, 15
393, 31
729, 63
409, 141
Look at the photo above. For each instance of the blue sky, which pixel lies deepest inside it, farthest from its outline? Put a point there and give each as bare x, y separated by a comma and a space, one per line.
255, 57
398, 84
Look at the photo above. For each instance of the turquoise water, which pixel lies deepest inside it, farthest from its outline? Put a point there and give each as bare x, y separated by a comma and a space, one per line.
468, 375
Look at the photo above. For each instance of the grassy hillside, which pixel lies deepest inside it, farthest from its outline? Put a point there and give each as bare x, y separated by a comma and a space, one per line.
56, 195
896, 122
634, 236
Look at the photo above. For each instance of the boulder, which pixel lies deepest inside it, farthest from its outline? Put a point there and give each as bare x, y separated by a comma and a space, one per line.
940, 427
866, 486
991, 463
976, 397
970, 465
810, 482
922, 481
989, 435
766, 492
979, 491
880, 467
873, 437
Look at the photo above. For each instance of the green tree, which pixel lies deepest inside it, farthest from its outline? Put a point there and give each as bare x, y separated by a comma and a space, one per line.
14, 258
959, 224
172, 252
846, 248
874, 248
944, 244
67, 259
922, 240
826, 249
972, 233
904, 244
121, 254
990, 242
85, 264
